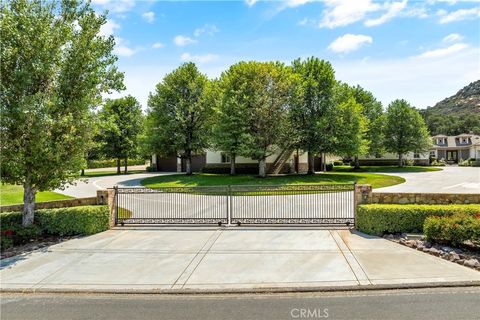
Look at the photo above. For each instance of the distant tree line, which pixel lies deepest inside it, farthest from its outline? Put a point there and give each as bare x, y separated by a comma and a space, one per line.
451, 124
255, 108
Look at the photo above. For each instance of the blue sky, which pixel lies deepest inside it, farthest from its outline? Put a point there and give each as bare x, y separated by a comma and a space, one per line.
422, 51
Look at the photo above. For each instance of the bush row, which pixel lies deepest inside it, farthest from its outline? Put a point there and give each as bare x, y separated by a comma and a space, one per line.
378, 219
455, 229
61, 222
95, 164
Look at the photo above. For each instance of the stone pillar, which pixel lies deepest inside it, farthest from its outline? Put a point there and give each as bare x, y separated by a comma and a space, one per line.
112, 206
102, 197
363, 194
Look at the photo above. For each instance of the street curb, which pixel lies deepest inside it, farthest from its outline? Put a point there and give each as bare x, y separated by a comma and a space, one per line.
266, 290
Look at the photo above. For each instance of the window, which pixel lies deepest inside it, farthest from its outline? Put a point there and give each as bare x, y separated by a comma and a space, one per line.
440, 140
464, 140
225, 158
432, 153
416, 155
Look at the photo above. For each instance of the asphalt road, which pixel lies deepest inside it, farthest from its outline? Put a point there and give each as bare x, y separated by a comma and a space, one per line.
445, 303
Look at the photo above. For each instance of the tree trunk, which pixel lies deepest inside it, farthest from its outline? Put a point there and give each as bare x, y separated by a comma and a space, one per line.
82, 172
118, 166
262, 168
324, 162
28, 204
311, 163
232, 164
126, 165
400, 159
188, 165
357, 162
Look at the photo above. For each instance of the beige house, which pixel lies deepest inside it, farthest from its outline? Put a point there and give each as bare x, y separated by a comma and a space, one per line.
454, 149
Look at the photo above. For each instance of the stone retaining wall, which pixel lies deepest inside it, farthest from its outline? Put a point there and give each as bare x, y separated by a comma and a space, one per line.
423, 198
101, 198
365, 195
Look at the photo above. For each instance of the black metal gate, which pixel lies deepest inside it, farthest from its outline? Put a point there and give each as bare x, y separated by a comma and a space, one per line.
238, 205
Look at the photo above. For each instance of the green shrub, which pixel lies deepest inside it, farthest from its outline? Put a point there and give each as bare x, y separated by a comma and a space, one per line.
338, 163
63, 221
74, 220
455, 229
378, 219
95, 164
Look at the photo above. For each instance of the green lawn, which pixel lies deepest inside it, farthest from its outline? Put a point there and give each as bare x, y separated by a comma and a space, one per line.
204, 179
13, 194
386, 169
108, 173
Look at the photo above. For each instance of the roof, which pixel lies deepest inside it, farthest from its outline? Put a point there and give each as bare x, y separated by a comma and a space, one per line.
455, 141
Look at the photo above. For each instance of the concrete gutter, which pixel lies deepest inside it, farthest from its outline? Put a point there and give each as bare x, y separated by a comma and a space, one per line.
265, 290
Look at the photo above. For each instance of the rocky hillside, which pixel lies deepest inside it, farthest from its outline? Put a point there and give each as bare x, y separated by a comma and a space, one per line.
465, 101
457, 114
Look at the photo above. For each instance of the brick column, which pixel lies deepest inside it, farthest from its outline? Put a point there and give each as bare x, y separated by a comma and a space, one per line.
363, 194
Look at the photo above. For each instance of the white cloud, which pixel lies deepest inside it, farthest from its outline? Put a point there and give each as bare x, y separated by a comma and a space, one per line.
296, 3
182, 41
121, 48
149, 16
422, 82
393, 10
208, 29
205, 58
443, 52
453, 37
158, 45
117, 6
349, 42
458, 15
344, 12
250, 3
109, 28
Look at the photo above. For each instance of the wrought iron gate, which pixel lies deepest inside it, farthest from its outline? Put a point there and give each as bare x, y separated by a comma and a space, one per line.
240, 205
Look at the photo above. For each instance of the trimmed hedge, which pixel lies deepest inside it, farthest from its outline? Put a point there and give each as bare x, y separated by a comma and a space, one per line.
95, 164
378, 219
82, 220
455, 229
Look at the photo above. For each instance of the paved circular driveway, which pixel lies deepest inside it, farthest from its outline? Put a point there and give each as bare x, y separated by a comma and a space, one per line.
449, 180
88, 187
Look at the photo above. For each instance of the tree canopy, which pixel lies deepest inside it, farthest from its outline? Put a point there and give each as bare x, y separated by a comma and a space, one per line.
120, 126
405, 130
55, 67
180, 112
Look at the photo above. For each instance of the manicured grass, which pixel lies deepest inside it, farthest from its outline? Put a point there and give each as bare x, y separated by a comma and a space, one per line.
386, 169
108, 173
205, 179
13, 194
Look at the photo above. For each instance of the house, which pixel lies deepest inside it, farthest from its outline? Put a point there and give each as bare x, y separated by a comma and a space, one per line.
281, 161
454, 149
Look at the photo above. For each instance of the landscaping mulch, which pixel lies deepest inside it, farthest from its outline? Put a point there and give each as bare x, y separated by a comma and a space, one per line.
34, 245
468, 255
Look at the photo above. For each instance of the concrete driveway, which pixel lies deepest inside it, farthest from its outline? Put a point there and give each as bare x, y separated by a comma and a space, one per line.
88, 187
216, 258
449, 180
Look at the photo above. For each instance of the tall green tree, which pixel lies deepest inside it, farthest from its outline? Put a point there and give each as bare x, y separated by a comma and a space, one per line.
180, 112
351, 128
230, 130
54, 68
373, 111
311, 112
405, 130
121, 124
264, 90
